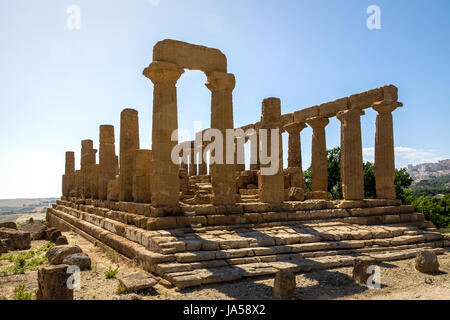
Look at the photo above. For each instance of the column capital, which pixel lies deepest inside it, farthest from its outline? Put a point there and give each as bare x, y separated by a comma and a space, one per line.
294, 127
217, 81
351, 112
386, 106
160, 71
317, 122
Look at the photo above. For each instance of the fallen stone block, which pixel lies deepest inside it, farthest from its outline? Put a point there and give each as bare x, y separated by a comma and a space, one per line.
18, 240
82, 260
284, 285
61, 240
57, 254
52, 282
136, 282
8, 225
55, 235
36, 229
361, 268
427, 262
296, 194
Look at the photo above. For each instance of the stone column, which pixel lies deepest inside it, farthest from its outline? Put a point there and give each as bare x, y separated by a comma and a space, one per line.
222, 175
271, 187
203, 167
352, 171
107, 160
295, 151
165, 184
384, 150
78, 183
319, 172
254, 158
94, 175
192, 161
69, 174
142, 176
88, 155
239, 166
129, 143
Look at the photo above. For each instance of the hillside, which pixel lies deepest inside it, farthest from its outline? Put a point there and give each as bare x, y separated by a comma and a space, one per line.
19, 210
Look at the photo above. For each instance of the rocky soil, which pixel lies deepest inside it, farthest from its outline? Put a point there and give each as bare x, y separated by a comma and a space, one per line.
399, 281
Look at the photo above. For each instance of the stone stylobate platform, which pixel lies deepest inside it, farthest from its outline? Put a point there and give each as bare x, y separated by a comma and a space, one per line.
191, 228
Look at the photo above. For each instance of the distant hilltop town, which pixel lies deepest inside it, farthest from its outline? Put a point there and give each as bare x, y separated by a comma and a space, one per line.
429, 170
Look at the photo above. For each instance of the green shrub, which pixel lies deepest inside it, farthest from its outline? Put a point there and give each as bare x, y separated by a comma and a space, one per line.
111, 273
21, 294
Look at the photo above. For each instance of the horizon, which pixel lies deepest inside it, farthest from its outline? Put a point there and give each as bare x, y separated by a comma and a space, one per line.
59, 84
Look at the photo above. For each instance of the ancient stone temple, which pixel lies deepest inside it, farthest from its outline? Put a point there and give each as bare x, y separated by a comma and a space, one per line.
191, 219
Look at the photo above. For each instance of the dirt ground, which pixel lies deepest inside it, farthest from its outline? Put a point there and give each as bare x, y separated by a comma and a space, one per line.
399, 281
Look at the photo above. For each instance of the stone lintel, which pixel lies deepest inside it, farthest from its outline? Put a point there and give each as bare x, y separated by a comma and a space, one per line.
190, 56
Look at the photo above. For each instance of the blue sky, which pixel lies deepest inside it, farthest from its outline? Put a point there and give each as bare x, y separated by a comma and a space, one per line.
58, 85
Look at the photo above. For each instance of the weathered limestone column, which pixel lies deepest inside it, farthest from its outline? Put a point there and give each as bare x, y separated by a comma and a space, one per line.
78, 183
384, 150
88, 155
192, 161
295, 151
203, 167
319, 172
254, 158
352, 171
142, 176
271, 187
165, 184
239, 166
129, 143
94, 175
222, 175
69, 174
107, 160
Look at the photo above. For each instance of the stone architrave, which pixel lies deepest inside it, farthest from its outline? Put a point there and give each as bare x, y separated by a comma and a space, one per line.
272, 186
165, 184
142, 176
223, 182
129, 143
319, 174
384, 150
107, 160
352, 171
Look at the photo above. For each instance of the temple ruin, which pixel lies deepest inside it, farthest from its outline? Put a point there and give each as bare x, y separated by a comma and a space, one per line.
190, 228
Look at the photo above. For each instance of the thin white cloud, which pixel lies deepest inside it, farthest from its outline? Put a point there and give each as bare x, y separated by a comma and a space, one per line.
405, 156
154, 3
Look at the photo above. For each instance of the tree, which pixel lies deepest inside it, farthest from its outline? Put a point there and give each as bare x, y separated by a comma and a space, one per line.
334, 174
402, 182
402, 178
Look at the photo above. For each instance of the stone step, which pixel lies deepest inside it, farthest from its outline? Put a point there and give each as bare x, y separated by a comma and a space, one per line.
311, 251
191, 278
207, 239
249, 192
231, 253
